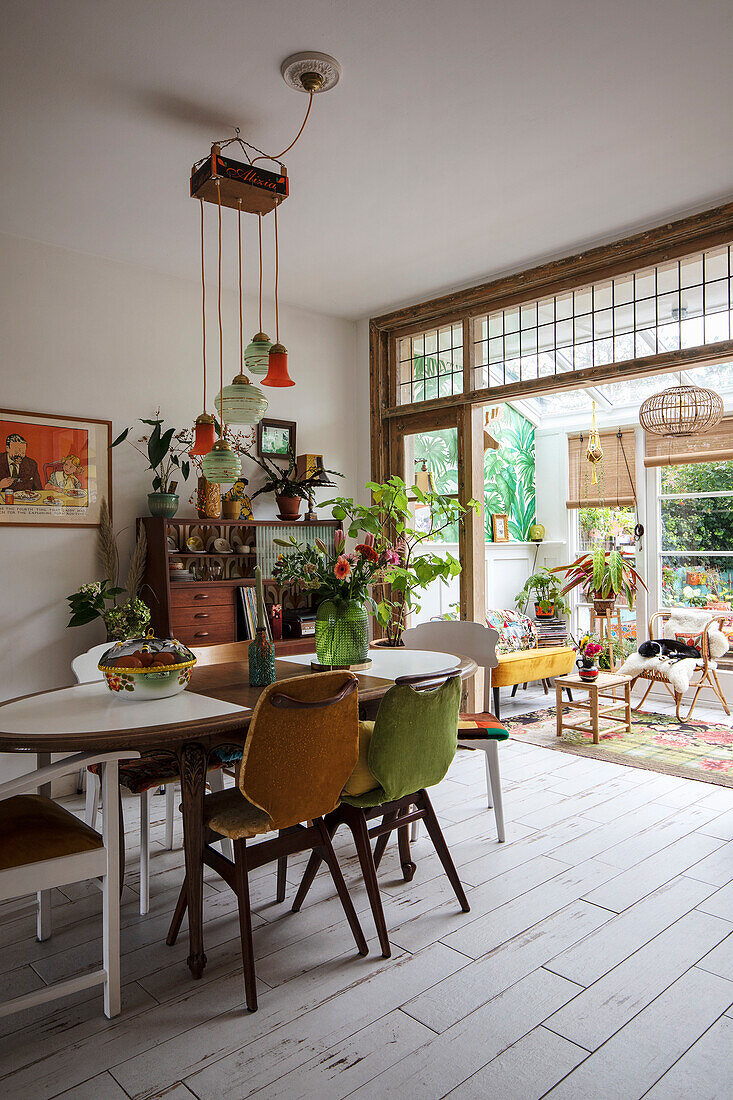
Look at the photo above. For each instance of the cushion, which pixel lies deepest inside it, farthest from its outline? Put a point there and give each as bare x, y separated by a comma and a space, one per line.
361, 779
153, 769
480, 727
689, 638
515, 631
691, 620
33, 828
230, 814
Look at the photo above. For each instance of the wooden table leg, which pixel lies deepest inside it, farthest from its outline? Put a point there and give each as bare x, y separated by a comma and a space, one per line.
558, 710
192, 758
593, 700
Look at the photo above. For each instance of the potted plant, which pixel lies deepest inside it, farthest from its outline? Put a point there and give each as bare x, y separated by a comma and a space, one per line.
546, 587
167, 456
403, 522
126, 618
602, 575
589, 649
287, 484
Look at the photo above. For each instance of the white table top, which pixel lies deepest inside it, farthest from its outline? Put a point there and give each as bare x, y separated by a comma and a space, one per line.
392, 663
94, 707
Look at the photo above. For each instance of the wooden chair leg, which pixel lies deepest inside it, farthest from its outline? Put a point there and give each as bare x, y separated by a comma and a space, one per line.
178, 914
241, 881
312, 868
403, 840
329, 857
719, 691
282, 871
357, 823
436, 835
383, 840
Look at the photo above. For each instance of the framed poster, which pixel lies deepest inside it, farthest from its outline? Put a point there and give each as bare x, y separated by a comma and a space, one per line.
275, 438
500, 527
54, 470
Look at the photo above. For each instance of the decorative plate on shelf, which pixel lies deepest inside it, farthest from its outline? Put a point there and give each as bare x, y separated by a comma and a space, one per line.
222, 546
195, 544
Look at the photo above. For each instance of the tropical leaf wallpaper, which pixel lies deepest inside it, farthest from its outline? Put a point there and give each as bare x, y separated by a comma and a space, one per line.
508, 472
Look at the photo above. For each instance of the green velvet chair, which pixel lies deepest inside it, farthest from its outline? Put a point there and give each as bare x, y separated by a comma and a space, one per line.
409, 747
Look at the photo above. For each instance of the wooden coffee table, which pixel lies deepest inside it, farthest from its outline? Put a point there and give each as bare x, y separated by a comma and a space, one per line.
600, 688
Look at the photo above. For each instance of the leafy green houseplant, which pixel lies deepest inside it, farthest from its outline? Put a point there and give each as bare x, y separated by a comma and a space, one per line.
288, 486
123, 618
602, 575
403, 522
546, 588
166, 452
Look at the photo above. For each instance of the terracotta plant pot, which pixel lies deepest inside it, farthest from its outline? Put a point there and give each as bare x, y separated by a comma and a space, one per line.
231, 509
289, 507
547, 614
603, 606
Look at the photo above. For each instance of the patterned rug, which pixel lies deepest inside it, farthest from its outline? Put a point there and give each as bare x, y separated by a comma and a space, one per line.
658, 742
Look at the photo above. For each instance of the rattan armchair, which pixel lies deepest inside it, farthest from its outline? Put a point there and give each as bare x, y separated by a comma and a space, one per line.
706, 671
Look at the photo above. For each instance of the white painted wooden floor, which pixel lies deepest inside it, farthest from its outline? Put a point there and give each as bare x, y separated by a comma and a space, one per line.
596, 961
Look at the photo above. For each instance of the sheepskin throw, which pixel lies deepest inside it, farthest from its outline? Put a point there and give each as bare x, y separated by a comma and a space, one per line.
688, 622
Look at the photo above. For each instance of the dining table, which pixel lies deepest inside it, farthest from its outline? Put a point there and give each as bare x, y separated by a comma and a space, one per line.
214, 711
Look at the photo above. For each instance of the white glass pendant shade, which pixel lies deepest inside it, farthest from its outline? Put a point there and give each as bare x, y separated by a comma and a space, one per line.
257, 353
221, 465
241, 402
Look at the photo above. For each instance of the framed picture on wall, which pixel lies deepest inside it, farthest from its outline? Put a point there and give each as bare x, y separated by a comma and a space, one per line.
54, 470
500, 527
275, 438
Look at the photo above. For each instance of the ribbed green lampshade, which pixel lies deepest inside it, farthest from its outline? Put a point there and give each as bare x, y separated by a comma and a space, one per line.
243, 403
257, 353
221, 465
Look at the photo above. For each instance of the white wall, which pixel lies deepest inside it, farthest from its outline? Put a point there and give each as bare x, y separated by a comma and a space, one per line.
87, 337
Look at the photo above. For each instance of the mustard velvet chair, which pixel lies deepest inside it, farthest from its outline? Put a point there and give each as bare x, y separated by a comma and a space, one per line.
301, 748
409, 747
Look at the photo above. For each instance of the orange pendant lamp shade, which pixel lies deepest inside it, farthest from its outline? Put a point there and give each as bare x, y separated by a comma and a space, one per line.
204, 435
277, 373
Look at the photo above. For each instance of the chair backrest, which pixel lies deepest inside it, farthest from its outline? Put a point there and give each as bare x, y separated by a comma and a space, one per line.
302, 746
415, 737
84, 666
223, 654
466, 639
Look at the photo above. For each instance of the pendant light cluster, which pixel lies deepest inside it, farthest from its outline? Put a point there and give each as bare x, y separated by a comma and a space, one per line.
248, 189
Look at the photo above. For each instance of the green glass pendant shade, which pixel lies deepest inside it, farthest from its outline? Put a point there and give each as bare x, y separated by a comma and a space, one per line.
261, 655
257, 354
242, 402
221, 465
342, 633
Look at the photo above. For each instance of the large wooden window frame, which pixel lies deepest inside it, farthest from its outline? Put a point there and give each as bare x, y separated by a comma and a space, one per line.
391, 421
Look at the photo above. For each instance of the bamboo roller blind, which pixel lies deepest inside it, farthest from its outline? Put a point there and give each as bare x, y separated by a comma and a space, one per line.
616, 485
715, 445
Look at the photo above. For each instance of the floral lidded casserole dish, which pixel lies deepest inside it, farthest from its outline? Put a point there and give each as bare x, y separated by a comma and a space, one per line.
147, 668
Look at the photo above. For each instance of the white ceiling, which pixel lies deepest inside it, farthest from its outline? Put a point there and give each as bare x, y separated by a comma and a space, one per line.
466, 138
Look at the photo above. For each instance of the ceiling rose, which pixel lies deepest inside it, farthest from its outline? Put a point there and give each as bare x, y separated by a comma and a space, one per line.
311, 71
681, 410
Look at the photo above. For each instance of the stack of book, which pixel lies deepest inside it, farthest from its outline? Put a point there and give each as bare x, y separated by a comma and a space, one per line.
552, 631
248, 618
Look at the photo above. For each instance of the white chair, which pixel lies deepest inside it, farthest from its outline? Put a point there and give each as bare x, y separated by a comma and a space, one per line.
43, 846
85, 670
478, 642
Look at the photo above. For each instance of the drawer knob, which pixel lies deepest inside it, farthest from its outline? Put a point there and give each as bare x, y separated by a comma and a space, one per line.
201, 615
201, 634
201, 596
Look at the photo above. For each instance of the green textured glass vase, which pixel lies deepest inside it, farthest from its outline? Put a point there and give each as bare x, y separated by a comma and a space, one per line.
261, 656
342, 633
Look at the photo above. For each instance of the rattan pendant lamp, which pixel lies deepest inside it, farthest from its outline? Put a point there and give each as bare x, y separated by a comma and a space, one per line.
681, 411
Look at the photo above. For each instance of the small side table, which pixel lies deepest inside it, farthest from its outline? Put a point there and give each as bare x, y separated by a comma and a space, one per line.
600, 688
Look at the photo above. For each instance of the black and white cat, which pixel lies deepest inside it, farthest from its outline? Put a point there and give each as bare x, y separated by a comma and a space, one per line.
667, 647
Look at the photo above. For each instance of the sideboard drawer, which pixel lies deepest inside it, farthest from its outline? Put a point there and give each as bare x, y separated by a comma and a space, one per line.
201, 614
197, 634
184, 596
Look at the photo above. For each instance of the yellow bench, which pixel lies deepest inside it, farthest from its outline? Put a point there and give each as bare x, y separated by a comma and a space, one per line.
525, 665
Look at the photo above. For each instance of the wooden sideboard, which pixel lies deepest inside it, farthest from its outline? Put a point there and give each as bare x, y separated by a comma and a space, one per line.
205, 611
